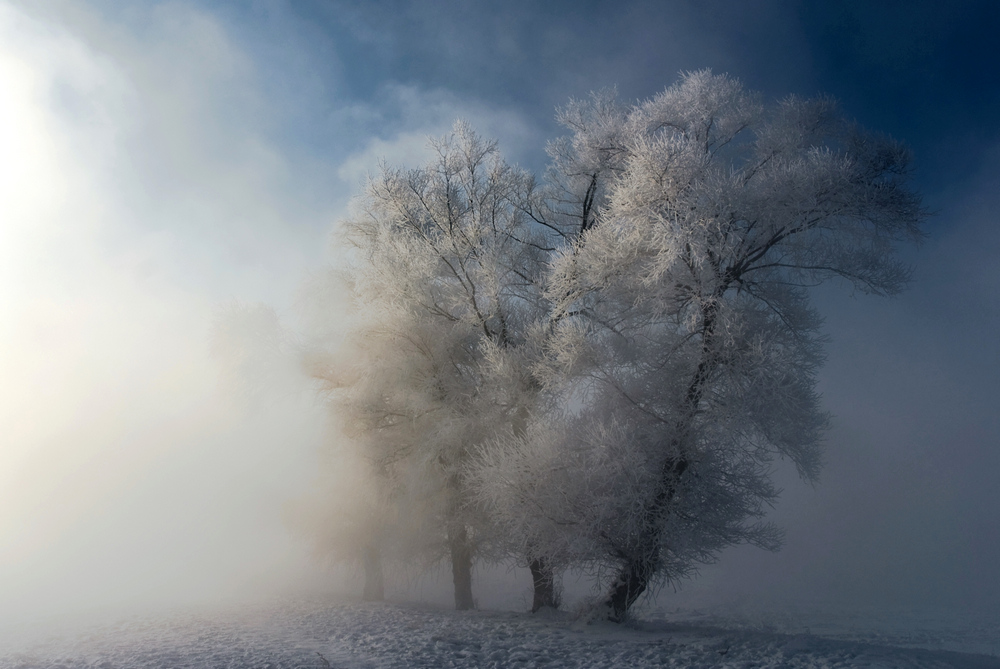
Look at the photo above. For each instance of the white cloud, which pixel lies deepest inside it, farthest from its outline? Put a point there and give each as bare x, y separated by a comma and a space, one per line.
410, 116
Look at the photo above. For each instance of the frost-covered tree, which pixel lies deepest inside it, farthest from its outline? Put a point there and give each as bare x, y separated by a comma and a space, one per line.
446, 284
349, 515
682, 341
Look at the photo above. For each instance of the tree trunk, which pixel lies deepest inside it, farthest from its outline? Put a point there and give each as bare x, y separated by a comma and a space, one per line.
542, 577
632, 582
643, 561
461, 567
374, 590
544, 582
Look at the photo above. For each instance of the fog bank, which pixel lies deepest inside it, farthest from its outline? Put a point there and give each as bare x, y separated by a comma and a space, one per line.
131, 207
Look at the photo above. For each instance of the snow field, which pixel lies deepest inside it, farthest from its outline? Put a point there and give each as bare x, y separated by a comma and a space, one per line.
321, 634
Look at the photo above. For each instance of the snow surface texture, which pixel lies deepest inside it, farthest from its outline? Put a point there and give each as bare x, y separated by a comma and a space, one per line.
334, 634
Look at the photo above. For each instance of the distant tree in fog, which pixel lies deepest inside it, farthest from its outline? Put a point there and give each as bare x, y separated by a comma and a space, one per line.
445, 280
348, 515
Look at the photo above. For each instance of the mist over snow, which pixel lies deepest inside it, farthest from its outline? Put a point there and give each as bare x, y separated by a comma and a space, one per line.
139, 192
171, 173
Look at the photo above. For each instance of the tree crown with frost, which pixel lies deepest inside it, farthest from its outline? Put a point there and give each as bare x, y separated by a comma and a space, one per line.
682, 336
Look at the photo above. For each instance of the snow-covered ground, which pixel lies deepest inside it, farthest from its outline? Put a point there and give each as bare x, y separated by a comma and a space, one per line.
334, 633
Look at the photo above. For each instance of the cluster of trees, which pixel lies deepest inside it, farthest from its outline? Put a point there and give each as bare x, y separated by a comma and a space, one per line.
597, 369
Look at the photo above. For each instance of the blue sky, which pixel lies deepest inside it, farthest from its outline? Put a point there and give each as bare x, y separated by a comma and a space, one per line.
162, 158
919, 71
